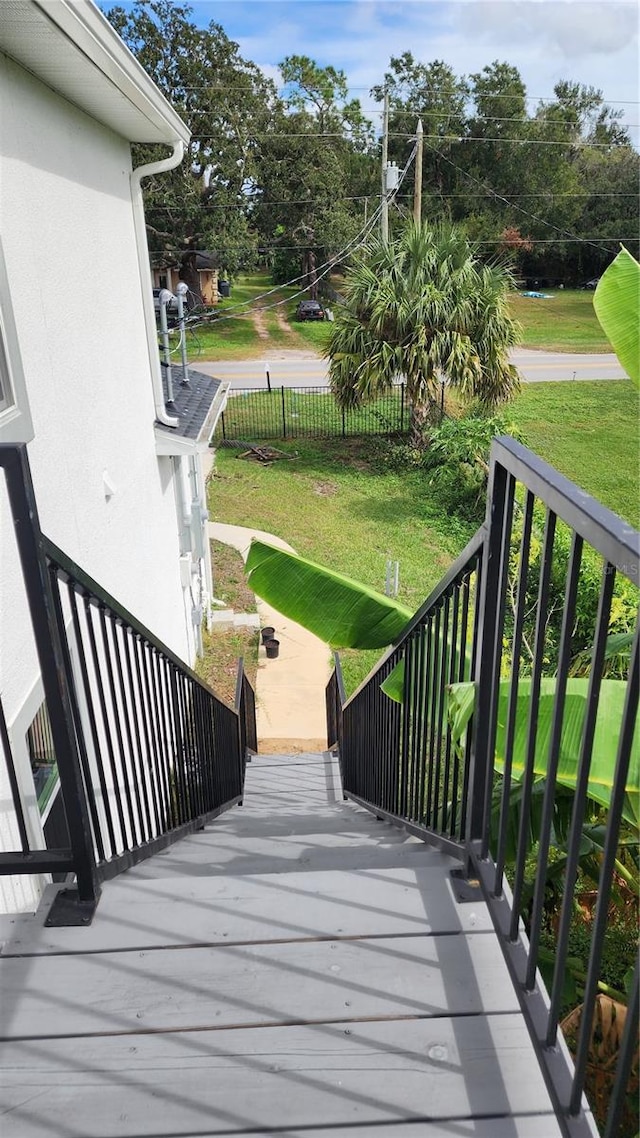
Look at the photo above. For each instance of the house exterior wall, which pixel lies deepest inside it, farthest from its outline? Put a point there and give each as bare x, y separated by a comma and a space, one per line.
67, 230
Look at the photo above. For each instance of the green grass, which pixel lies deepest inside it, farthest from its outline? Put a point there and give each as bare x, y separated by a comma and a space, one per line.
589, 431
567, 323
336, 505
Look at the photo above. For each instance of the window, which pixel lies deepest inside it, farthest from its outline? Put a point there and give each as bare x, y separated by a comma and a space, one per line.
44, 765
15, 418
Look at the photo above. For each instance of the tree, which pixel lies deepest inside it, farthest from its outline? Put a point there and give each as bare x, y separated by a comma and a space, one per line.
425, 307
228, 104
317, 156
435, 94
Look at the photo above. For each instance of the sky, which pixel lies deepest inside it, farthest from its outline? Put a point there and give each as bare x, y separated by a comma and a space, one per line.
590, 42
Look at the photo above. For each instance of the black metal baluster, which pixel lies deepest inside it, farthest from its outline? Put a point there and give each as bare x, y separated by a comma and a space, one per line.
614, 818
532, 723
453, 666
512, 707
433, 704
579, 803
90, 696
127, 714
149, 780
544, 841
119, 749
129, 637
464, 632
80, 735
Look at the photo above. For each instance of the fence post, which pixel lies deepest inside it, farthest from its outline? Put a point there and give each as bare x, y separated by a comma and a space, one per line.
74, 906
489, 608
284, 415
402, 408
344, 427
224, 433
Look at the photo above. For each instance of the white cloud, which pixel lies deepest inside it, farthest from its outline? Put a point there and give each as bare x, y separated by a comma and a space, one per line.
572, 28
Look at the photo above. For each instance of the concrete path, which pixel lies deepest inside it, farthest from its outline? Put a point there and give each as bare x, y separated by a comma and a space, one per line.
312, 371
289, 690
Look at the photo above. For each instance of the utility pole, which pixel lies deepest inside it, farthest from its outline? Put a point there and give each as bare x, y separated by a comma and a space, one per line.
417, 192
384, 214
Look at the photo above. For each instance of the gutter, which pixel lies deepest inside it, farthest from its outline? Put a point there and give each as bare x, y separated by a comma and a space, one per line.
142, 248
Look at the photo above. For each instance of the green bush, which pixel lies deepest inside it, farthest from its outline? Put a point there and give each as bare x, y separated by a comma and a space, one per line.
457, 459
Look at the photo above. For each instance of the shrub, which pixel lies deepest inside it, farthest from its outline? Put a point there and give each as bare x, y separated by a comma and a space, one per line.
457, 458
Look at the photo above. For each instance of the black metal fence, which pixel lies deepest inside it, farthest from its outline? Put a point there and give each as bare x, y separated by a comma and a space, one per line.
514, 744
245, 705
308, 412
146, 753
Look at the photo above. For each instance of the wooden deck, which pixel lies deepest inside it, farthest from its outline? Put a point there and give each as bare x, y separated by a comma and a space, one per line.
298, 968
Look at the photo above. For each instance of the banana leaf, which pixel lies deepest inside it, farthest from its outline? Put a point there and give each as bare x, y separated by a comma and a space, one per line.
393, 686
617, 306
342, 612
605, 745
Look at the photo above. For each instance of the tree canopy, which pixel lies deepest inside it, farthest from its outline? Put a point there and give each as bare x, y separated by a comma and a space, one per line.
287, 175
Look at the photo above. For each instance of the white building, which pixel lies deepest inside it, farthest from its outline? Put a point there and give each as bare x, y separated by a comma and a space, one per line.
118, 477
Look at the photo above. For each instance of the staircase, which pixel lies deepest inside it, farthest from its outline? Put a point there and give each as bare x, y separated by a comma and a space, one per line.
296, 968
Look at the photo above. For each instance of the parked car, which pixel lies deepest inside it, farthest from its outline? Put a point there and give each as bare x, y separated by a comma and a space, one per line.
310, 310
592, 284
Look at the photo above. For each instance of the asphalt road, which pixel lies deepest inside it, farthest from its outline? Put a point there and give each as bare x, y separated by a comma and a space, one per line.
312, 372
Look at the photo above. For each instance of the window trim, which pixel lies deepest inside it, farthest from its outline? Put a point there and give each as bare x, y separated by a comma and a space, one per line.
15, 416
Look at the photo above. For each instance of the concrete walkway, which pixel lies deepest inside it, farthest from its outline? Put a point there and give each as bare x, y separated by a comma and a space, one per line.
289, 690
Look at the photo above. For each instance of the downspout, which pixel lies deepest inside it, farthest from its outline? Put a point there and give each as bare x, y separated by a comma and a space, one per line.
142, 247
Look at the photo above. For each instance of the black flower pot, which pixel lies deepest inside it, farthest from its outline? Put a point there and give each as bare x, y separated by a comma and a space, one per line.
272, 648
267, 634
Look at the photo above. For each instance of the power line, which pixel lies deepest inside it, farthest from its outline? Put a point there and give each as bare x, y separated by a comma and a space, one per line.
579, 143
365, 197
565, 232
364, 232
287, 86
449, 114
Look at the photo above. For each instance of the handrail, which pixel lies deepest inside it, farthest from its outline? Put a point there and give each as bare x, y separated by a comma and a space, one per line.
605, 531
72, 572
397, 761
453, 573
146, 752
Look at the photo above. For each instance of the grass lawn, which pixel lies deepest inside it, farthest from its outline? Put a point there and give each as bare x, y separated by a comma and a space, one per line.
567, 323
589, 431
335, 505
222, 649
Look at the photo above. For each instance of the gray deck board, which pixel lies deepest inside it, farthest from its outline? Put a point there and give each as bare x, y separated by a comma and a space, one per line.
297, 968
143, 914
272, 983
258, 1078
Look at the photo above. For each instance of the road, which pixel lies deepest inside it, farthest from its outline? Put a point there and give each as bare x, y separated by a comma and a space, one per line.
310, 371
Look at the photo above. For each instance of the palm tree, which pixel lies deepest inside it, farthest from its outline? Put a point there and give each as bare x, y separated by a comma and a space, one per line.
423, 306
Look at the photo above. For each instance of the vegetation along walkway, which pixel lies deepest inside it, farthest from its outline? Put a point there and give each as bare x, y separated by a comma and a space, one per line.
297, 968
290, 690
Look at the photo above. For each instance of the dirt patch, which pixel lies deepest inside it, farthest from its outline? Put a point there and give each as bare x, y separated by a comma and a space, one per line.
282, 321
259, 324
290, 747
325, 489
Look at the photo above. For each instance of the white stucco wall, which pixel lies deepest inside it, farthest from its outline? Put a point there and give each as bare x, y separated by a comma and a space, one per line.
67, 231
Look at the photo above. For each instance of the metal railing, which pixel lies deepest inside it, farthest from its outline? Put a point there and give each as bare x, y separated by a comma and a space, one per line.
308, 412
245, 706
146, 752
520, 629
